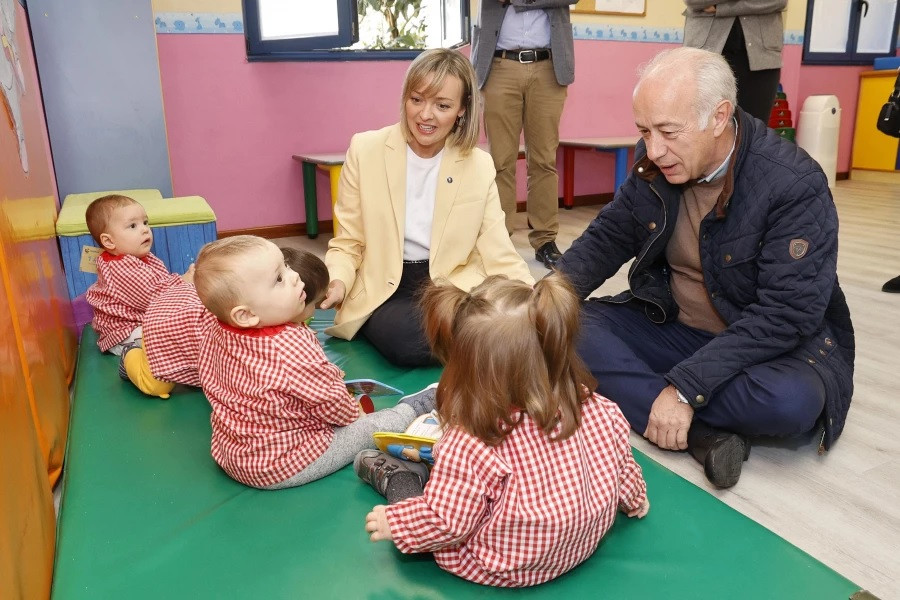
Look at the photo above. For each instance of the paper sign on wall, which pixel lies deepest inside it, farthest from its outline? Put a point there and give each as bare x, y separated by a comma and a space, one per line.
89, 256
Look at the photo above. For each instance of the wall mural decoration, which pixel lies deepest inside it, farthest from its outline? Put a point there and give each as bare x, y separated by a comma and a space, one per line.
12, 80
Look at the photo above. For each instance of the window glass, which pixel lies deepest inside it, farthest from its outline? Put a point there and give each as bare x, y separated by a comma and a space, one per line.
849, 32
284, 19
352, 29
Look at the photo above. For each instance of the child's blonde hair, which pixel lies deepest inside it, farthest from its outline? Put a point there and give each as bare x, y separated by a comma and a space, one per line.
505, 347
215, 274
100, 211
312, 271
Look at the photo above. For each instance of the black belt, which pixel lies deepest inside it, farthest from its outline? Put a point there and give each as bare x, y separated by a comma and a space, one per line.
524, 56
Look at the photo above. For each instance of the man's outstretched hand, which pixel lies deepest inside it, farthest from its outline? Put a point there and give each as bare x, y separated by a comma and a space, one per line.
669, 421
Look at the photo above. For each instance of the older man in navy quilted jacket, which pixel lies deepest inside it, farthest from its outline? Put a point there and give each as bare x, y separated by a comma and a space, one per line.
734, 324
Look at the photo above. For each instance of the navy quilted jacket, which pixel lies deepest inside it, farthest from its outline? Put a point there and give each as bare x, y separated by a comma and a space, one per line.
775, 198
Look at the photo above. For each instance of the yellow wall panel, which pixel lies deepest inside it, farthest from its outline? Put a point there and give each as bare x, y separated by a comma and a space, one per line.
27, 521
37, 340
203, 6
871, 148
42, 316
660, 13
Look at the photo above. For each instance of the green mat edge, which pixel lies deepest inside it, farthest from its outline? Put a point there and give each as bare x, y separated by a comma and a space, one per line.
831, 583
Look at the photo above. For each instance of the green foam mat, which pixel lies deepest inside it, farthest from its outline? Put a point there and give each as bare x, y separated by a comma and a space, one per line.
146, 513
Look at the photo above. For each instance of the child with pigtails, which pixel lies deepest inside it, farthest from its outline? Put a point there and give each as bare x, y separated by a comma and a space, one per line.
532, 466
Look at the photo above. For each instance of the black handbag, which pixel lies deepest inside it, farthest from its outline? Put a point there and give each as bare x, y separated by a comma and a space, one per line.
889, 117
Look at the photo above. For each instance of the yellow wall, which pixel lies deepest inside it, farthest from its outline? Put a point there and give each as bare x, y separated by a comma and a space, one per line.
37, 341
667, 13
660, 13
209, 6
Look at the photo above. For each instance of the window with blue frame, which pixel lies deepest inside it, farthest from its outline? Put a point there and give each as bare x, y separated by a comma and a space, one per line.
849, 32
352, 29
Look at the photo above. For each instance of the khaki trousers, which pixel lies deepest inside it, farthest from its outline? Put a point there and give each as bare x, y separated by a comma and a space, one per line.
526, 96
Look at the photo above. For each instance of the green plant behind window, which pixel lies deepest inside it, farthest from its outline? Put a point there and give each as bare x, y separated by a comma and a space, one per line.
391, 24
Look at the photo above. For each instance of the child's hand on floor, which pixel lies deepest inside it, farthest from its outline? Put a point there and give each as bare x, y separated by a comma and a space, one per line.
641, 511
189, 274
377, 525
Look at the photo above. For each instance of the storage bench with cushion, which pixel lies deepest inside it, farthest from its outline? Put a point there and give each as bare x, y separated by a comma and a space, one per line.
181, 226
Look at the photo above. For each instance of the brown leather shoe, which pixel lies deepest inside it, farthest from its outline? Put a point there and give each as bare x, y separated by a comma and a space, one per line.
722, 453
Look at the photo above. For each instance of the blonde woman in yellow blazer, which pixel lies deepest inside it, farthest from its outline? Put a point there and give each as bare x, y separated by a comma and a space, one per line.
375, 261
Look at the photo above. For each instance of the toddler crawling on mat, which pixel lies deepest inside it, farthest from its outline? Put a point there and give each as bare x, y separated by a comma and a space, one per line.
281, 413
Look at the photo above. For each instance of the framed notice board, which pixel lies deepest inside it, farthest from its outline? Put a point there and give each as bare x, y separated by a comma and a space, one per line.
611, 7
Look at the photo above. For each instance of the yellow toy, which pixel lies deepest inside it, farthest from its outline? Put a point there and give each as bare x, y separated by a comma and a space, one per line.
138, 369
416, 443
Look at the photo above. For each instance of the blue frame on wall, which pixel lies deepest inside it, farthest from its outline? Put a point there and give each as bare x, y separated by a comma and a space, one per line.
849, 56
259, 49
330, 48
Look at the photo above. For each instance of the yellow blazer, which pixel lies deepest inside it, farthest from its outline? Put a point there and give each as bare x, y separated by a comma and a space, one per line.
468, 233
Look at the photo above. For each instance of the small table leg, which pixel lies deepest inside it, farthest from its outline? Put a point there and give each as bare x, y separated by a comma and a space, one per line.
621, 167
310, 200
334, 176
568, 177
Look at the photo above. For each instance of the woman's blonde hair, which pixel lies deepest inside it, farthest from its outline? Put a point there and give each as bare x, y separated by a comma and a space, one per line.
438, 64
508, 349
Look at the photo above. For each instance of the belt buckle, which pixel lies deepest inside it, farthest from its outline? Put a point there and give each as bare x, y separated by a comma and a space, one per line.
532, 53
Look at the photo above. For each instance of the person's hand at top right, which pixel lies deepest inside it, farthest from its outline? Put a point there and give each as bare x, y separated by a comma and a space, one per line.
334, 295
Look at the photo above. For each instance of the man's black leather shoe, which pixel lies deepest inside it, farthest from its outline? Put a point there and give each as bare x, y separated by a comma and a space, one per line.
548, 254
892, 286
721, 453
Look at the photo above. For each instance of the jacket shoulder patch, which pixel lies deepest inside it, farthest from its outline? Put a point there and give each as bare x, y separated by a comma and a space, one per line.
798, 248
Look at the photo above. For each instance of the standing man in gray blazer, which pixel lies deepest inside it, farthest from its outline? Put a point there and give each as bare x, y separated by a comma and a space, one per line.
524, 58
750, 35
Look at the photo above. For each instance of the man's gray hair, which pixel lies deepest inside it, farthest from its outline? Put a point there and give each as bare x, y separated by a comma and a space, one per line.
712, 74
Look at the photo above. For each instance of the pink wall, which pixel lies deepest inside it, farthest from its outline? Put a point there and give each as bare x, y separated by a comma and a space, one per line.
233, 125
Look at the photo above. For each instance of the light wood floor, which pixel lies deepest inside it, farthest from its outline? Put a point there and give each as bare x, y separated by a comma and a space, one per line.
842, 508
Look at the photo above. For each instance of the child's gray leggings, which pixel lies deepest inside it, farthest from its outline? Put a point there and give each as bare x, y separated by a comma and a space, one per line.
349, 441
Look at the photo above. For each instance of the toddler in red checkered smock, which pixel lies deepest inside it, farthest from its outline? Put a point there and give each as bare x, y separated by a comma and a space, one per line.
128, 274
532, 467
281, 413
176, 322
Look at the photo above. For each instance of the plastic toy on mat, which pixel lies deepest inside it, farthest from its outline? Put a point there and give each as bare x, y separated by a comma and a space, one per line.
365, 403
371, 387
416, 443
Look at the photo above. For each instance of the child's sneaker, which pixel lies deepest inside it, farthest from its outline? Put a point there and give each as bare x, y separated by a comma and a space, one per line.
421, 402
126, 347
393, 478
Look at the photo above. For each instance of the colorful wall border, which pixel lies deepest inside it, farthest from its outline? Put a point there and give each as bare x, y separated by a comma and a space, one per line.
198, 22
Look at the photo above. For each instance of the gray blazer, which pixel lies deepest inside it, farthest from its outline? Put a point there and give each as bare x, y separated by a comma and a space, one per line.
760, 19
484, 36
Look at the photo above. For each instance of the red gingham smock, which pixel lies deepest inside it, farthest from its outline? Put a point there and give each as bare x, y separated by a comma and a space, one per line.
527, 510
275, 400
174, 324
123, 290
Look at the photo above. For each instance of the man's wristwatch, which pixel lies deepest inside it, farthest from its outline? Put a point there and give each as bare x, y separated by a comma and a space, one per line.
681, 397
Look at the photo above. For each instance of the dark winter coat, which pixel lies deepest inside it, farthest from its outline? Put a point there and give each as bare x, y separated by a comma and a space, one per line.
769, 256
